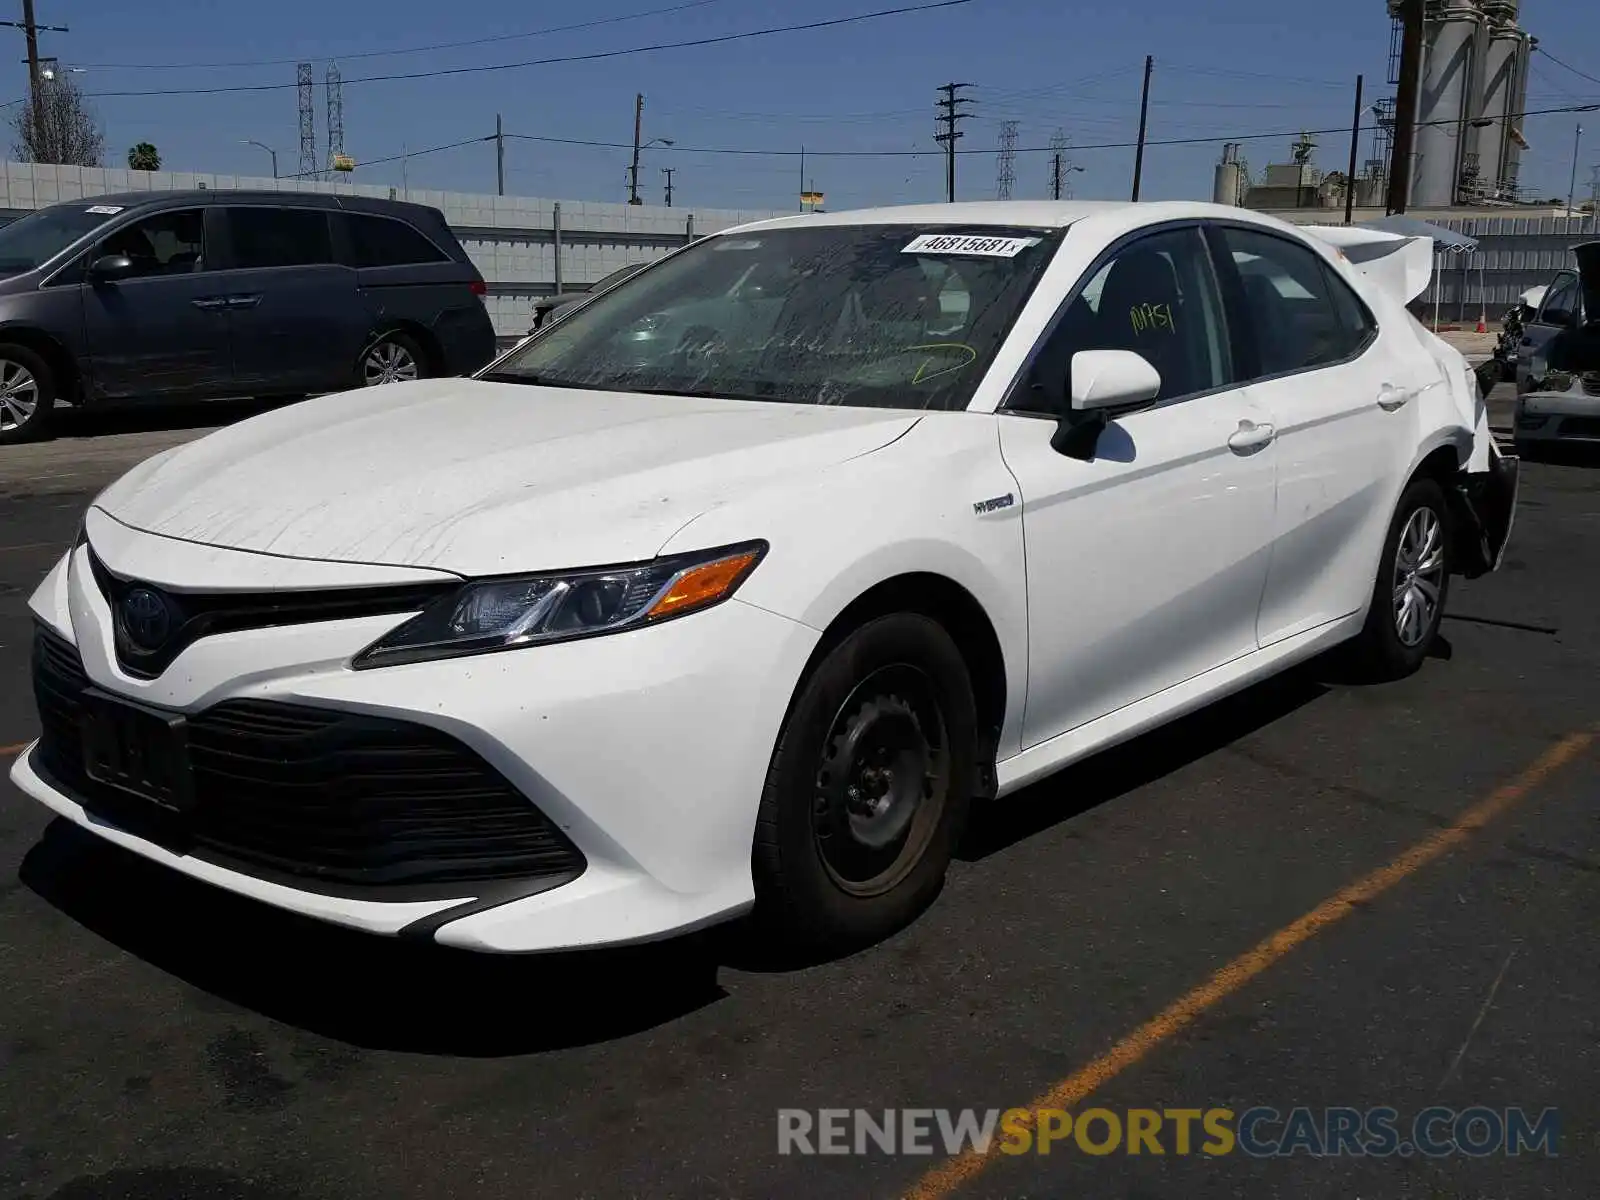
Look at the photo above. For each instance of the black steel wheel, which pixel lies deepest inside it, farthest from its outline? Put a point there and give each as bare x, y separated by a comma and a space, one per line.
868, 787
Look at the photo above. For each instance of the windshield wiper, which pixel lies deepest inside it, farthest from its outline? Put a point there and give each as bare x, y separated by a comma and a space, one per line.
532, 380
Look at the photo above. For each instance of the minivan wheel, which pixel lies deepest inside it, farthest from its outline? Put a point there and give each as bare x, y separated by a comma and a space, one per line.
1412, 587
393, 358
27, 395
868, 787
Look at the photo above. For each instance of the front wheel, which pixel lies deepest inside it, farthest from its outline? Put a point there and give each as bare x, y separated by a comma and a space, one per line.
392, 358
868, 787
1413, 583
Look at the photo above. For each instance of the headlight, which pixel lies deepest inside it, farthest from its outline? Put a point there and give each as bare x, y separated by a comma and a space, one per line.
503, 614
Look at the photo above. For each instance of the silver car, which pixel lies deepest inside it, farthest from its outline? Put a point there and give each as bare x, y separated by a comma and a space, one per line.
1558, 361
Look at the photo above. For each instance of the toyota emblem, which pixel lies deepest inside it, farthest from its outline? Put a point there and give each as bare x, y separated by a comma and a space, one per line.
146, 619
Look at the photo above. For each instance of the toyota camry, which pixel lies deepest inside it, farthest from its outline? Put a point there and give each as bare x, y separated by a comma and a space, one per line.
733, 591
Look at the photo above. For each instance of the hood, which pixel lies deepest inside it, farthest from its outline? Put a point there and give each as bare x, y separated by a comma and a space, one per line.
1588, 256
483, 478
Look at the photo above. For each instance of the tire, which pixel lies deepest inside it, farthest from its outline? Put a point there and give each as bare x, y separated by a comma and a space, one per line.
832, 873
392, 357
27, 395
1395, 640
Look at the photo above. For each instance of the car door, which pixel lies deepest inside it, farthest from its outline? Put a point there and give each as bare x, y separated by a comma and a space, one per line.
160, 329
1558, 313
297, 321
1145, 563
1341, 394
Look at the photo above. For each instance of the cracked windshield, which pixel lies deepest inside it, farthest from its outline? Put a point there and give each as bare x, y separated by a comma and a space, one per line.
884, 316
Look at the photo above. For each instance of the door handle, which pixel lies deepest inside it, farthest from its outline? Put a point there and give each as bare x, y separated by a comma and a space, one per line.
244, 301
1391, 397
210, 302
1250, 436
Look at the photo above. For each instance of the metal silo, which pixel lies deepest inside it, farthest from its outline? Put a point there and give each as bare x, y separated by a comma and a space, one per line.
1512, 160
1503, 70
1450, 32
1228, 187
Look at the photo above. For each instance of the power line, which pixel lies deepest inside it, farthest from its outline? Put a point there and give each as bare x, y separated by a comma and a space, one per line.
1207, 140
593, 56
429, 49
1567, 66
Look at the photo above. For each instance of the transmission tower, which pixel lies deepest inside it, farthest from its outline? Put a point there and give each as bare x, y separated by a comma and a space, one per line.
950, 112
1006, 160
335, 89
1060, 167
308, 122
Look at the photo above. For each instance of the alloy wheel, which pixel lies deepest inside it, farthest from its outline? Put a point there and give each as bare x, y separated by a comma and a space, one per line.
19, 396
1418, 576
388, 362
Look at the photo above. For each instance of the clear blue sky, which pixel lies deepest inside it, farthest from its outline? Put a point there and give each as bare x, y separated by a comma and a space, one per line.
1224, 68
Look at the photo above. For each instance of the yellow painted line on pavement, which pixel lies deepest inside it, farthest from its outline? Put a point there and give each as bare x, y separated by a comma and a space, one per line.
944, 1179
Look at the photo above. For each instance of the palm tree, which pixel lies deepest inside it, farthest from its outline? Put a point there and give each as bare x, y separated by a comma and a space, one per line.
144, 157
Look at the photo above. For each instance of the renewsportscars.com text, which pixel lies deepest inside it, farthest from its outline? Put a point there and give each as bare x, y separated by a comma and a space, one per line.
1258, 1132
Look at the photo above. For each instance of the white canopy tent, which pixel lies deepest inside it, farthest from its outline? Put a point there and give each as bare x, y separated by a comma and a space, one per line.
1447, 244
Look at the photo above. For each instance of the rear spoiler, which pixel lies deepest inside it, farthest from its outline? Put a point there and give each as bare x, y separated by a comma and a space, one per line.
1401, 266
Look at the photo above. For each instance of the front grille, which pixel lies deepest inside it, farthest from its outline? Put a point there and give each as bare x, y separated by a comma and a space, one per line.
1584, 427
194, 615
326, 800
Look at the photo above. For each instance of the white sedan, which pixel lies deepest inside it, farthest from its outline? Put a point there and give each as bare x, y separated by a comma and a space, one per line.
734, 588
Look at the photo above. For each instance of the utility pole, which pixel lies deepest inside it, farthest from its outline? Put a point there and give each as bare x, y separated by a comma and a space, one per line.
499, 156
1355, 137
1006, 168
802, 179
949, 114
1572, 188
35, 80
638, 128
1405, 106
667, 171
1144, 118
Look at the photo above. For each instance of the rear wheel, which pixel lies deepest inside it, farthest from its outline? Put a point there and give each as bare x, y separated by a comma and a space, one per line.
392, 358
868, 788
1413, 584
27, 395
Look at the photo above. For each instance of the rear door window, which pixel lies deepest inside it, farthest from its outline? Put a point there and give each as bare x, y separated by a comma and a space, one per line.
279, 237
388, 242
1301, 315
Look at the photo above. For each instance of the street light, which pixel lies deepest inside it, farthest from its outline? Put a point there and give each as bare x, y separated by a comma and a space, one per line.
268, 149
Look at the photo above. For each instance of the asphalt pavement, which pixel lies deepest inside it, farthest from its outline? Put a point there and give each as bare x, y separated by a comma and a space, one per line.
1315, 894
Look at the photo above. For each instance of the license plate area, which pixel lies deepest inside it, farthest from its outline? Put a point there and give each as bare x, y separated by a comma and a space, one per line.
140, 752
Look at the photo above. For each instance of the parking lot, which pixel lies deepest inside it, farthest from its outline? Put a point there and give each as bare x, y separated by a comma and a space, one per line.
1313, 894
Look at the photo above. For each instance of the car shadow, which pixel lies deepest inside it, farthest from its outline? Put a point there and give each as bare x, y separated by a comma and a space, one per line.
1119, 770
380, 993
373, 992
155, 417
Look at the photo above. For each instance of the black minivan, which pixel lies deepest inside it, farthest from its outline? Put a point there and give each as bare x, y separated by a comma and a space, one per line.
209, 294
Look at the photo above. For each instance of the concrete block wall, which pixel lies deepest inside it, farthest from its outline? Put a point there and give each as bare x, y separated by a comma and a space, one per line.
511, 239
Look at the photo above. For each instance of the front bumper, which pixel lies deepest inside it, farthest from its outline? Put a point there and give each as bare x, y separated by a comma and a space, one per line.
646, 750
1569, 415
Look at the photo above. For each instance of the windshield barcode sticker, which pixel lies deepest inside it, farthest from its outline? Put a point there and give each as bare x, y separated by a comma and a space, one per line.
966, 243
104, 210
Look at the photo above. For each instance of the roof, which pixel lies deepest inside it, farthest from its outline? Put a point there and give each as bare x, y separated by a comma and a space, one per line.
1038, 214
143, 199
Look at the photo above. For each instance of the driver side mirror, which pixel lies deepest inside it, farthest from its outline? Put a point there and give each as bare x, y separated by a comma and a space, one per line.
1112, 379
1101, 380
111, 266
